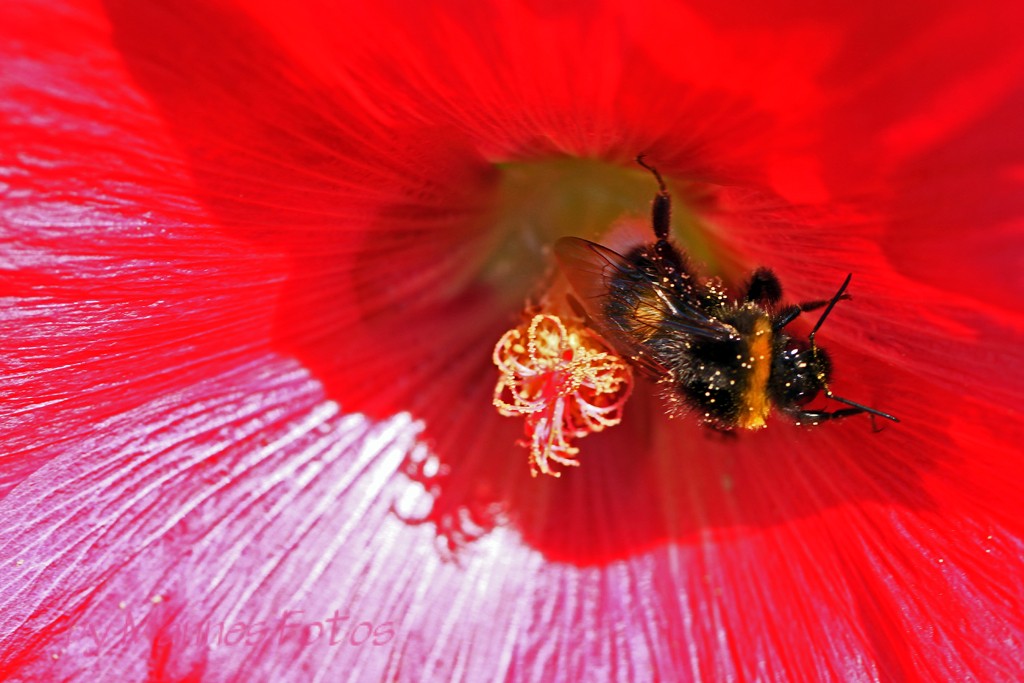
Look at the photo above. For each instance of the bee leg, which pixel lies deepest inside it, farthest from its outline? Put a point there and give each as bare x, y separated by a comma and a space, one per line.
785, 317
874, 425
764, 287
815, 305
790, 313
813, 417
577, 309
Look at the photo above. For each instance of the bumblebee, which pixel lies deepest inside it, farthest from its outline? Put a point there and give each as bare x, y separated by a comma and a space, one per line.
729, 359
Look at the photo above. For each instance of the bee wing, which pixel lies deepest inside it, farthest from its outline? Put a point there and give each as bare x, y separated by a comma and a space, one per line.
590, 269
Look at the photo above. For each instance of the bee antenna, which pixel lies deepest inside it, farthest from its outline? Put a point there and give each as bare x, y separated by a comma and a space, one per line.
828, 309
661, 209
821, 373
661, 183
819, 366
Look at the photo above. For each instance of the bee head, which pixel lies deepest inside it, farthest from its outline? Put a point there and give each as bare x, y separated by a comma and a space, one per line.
799, 373
804, 370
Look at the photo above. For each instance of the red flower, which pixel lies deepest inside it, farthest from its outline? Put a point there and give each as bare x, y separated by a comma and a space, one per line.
256, 261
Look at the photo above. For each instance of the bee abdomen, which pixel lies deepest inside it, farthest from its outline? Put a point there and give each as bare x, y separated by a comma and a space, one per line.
729, 382
711, 383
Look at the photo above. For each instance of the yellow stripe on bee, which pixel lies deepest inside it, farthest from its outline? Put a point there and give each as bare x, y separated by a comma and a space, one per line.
754, 402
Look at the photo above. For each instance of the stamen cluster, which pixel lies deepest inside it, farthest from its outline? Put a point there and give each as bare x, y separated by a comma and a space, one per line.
564, 381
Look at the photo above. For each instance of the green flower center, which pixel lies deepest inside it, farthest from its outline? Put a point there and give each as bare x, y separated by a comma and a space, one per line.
538, 202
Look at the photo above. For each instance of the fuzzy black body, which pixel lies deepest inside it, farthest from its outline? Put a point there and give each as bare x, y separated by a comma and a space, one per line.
725, 358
